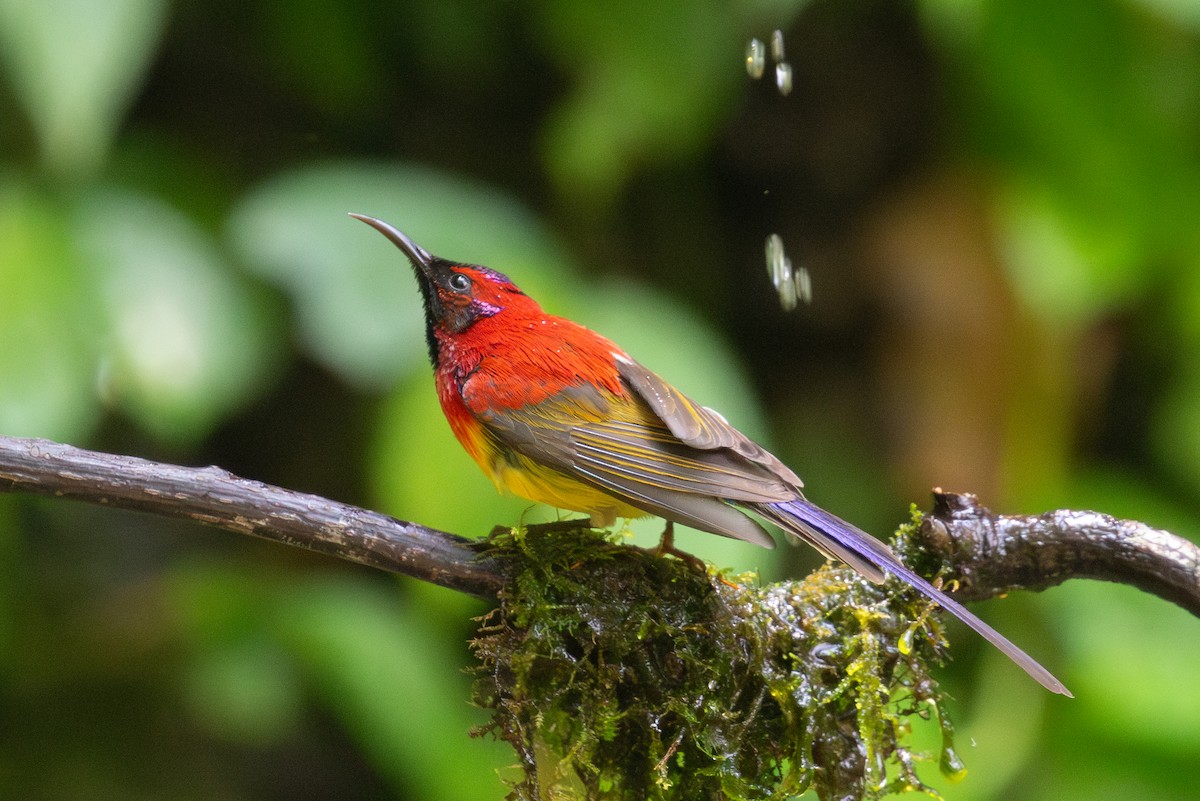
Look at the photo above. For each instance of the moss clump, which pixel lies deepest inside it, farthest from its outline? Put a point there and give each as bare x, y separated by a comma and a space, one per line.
617, 674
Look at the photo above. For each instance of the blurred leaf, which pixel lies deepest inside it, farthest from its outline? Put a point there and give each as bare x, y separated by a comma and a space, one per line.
1127, 648
75, 64
199, 183
387, 670
953, 24
245, 692
239, 684
1175, 424
1131, 495
47, 369
188, 343
1181, 12
1175, 428
652, 83
478, 35
1087, 111
358, 305
1064, 106
389, 674
342, 74
1067, 270
775, 13
11, 562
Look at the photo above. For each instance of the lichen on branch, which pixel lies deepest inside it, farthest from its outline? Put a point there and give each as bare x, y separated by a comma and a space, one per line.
618, 674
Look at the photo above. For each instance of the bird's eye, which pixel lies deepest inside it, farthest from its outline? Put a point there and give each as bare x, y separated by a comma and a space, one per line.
459, 282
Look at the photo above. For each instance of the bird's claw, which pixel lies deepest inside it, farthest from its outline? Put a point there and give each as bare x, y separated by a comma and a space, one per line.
666, 545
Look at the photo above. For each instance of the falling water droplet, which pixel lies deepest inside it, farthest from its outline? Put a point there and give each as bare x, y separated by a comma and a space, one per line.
792, 283
783, 78
787, 294
803, 285
949, 763
785, 285
774, 251
756, 58
777, 46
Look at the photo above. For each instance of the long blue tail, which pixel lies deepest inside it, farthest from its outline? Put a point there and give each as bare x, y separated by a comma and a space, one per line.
841, 540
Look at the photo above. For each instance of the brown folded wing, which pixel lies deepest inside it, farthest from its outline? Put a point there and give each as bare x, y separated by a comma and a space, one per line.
652, 448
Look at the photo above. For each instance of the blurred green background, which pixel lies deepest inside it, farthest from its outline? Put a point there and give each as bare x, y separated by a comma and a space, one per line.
998, 202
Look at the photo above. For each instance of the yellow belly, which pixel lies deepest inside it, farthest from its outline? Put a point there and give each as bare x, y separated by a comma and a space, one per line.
545, 485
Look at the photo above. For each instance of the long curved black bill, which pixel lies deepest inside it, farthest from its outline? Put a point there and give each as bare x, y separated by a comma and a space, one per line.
419, 256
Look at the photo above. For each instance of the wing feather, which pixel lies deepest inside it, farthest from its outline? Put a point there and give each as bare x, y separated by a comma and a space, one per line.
650, 454
703, 512
620, 445
696, 425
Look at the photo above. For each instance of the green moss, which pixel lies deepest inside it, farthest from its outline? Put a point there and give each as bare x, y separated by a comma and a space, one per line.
617, 674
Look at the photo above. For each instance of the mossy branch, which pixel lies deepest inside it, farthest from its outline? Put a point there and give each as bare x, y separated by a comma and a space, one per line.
618, 674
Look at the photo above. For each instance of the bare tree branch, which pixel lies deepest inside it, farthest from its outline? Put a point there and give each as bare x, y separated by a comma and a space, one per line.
993, 554
218, 498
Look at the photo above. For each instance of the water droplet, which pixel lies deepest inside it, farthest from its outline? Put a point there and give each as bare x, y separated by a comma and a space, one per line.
951, 764
774, 251
756, 58
777, 46
787, 294
792, 283
783, 78
905, 643
803, 285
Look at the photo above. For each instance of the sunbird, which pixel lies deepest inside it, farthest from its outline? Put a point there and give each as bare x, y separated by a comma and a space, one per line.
556, 413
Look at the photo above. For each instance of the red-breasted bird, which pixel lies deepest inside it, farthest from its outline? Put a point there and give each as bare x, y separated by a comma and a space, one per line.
558, 414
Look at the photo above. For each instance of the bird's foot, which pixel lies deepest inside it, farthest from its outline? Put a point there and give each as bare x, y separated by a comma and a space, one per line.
666, 545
